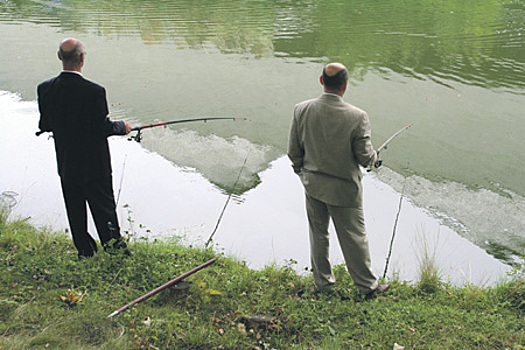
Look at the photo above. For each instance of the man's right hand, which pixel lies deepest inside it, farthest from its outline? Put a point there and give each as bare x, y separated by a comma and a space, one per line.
377, 161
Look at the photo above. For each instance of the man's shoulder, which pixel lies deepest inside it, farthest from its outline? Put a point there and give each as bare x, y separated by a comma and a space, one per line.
80, 79
354, 108
306, 102
47, 82
351, 108
70, 76
311, 100
88, 81
87, 86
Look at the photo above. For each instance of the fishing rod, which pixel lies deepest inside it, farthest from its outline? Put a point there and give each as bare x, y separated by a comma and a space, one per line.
385, 144
138, 129
161, 288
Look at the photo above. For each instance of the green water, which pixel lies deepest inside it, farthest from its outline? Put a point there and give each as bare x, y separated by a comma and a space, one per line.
453, 69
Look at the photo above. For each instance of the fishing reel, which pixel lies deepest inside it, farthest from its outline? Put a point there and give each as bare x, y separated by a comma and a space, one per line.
137, 137
40, 132
376, 164
385, 144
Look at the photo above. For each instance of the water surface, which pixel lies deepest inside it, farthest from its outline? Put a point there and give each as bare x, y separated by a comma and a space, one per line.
455, 70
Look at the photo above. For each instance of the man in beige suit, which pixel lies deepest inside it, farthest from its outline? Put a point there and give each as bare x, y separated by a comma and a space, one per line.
329, 140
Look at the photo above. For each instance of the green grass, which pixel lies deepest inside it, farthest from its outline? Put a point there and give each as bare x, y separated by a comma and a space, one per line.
38, 267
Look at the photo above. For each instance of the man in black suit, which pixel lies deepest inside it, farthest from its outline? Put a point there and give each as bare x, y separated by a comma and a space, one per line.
75, 110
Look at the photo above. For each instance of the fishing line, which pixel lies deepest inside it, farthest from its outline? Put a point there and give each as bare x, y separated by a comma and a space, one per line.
395, 228
121, 179
227, 201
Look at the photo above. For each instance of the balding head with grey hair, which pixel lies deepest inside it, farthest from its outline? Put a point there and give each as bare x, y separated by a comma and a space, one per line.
335, 78
71, 53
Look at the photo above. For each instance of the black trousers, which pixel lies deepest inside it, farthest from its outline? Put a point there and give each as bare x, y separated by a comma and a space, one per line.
98, 194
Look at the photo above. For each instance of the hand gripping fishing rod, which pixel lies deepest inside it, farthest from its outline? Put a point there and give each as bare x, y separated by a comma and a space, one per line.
385, 144
138, 129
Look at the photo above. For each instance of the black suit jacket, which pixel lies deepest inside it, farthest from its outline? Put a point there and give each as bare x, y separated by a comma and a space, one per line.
75, 110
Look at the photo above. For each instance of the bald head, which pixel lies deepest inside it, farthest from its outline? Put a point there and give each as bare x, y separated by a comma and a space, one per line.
334, 78
71, 53
332, 69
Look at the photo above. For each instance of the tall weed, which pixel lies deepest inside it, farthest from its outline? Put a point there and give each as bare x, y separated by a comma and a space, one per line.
430, 280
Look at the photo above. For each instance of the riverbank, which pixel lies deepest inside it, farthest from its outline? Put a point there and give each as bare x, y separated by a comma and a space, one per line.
51, 300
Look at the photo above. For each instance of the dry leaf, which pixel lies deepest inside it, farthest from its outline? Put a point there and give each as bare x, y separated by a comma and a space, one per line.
72, 298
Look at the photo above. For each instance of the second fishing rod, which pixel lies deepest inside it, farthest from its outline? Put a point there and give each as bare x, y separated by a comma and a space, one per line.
385, 144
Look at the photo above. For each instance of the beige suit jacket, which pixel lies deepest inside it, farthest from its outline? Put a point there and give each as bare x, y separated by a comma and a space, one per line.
329, 139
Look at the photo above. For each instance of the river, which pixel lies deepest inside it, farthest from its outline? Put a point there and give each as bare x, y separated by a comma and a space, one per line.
455, 70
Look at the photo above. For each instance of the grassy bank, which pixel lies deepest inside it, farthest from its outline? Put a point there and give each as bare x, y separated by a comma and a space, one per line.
51, 300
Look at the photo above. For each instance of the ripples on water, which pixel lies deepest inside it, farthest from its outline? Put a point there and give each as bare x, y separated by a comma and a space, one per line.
477, 43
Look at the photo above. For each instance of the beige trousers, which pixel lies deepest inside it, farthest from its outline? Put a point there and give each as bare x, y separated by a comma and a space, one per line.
350, 228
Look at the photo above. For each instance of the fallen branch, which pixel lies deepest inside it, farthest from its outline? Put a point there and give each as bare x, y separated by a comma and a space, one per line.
161, 288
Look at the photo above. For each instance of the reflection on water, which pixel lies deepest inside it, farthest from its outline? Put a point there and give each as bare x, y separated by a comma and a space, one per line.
227, 26
491, 221
233, 163
478, 43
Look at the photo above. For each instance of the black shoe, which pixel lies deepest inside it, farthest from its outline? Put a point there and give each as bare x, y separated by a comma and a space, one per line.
85, 255
119, 251
117, 247
82, 257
